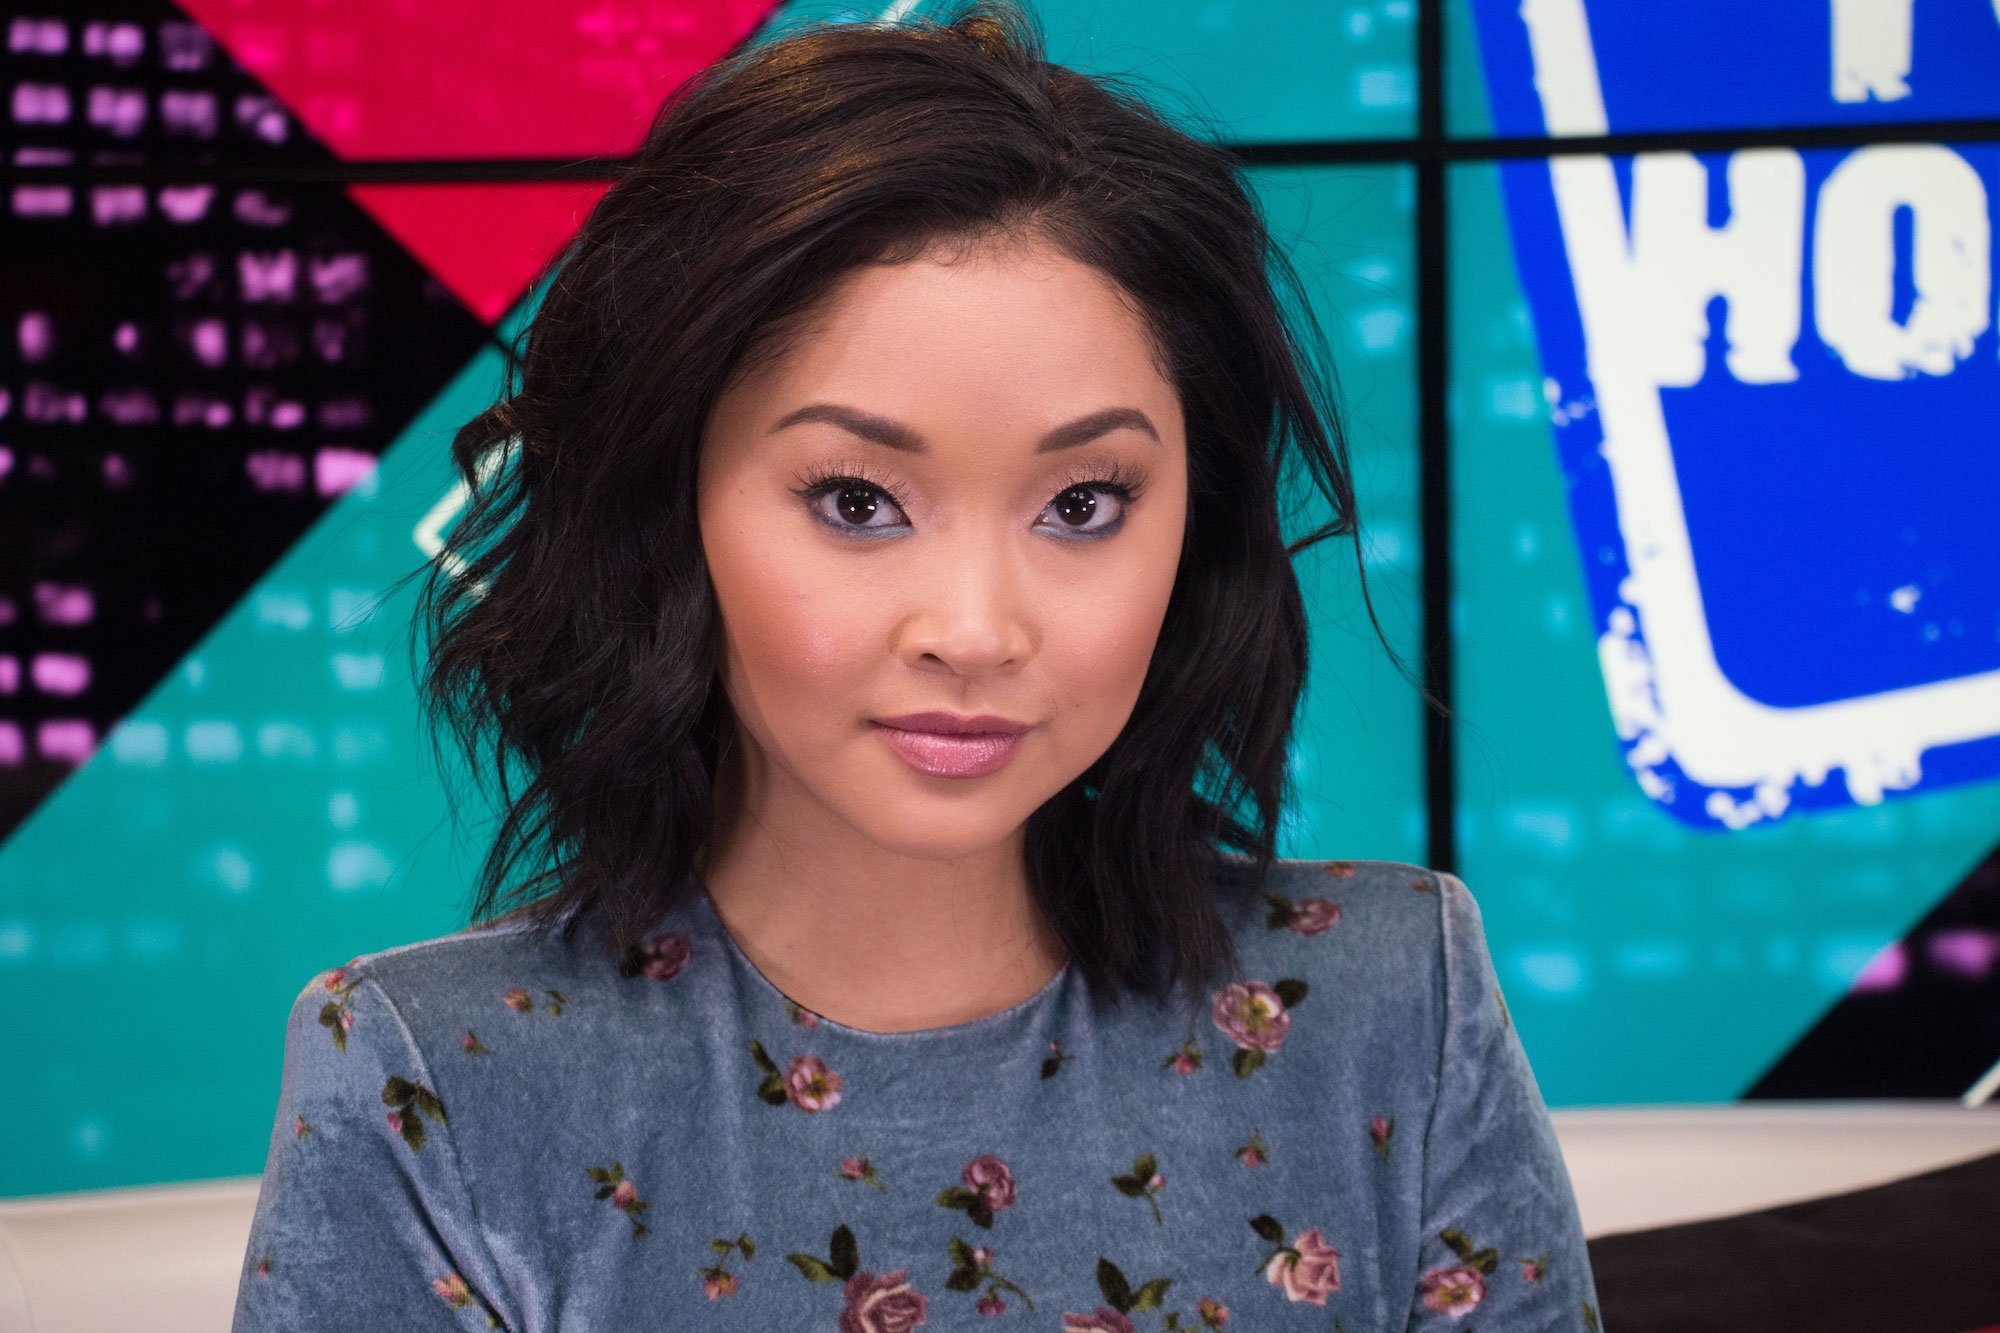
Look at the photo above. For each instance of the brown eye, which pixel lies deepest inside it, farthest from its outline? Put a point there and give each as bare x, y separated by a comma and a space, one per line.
1076, 505
857, 504
1081, 510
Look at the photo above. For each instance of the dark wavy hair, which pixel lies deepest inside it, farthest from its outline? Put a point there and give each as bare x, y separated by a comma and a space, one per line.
573, 631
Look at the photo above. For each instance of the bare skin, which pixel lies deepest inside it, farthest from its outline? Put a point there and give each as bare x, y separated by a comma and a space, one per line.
869, 892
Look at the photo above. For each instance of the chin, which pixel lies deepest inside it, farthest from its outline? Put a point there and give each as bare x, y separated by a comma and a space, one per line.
939, 828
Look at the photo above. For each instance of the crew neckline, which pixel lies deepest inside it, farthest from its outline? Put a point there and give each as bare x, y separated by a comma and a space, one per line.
1015, 1013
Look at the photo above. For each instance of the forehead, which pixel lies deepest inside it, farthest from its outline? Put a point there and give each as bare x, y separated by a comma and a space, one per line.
992, 327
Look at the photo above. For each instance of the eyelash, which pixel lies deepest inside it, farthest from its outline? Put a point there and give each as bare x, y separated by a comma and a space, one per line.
826, 479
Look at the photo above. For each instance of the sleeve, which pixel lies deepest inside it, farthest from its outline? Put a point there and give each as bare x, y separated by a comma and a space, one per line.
363, 1220
1502, 1245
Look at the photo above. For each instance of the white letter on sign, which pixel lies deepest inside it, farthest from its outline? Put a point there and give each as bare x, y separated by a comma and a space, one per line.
1871, 50
1755, 262
1854, 260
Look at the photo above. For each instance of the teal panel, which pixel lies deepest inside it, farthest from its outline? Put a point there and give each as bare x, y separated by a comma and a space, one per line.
1280, 71
1645, 960
1466, 113
1358, 754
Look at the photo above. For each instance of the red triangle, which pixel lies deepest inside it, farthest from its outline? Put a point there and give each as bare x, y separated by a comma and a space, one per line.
404, 79
486, 243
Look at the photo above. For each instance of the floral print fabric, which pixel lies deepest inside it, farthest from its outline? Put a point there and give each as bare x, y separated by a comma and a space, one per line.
491, 1130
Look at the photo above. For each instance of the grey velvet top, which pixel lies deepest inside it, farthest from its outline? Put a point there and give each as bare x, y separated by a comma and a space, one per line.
493, 1129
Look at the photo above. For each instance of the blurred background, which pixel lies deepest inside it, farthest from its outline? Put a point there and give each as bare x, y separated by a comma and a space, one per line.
1665, 339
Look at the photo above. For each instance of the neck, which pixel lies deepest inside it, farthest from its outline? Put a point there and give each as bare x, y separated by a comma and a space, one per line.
871, 938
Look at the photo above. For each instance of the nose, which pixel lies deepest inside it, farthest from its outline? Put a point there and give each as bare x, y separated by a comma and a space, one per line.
969, 604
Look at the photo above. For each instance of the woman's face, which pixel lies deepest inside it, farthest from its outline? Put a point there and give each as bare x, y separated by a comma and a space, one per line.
924, 508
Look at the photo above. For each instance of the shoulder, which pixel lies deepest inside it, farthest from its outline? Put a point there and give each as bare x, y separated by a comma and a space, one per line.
1374, 952
1397, 908
459, 993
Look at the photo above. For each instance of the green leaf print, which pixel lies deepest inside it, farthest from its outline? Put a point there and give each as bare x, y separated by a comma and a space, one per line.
844, 1253
1144, 1182
813, 1267
842, 1262
409, 1102
972, 1266
1118, 1292
1461, 1245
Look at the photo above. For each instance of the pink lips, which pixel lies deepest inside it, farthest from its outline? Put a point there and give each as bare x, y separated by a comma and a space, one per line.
946, 745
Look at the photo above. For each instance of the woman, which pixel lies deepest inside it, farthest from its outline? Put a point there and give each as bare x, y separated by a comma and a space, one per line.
882, 599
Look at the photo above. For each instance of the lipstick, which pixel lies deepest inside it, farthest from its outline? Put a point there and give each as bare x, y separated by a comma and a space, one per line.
947, 745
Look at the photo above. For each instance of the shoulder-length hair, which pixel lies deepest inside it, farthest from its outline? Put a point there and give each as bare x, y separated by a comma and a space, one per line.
573, 628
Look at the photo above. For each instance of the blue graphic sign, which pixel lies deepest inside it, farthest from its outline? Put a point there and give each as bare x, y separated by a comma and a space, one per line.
1773, 377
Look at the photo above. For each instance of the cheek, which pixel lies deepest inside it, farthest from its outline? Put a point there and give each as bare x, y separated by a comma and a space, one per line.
797, 639
1098, 661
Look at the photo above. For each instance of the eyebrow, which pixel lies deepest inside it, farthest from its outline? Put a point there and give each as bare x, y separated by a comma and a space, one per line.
896, 435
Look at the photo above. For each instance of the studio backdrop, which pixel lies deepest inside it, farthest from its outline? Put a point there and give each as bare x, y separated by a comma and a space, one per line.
1666, 340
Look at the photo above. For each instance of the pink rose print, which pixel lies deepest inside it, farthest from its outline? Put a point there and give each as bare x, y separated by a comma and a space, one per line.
1535, 1269
801, 1016
1184, 1061
660, 956
453, 1291
523, 1002
1380, 1131
1457, 1290
811, 1085
264, 1266
471, 1045
451, 1287
1306, 1270
972, 1267
1307, 916
334, 1015
1106, 1320
395, 1123
615, 1188
665, 955
861, 1169
1213, 1313
1254, 1153
1312, 916
988, 1176
1251, 1015
716, 1280
1340, 869
301, 1127
882, 1304
1256, 1017
808, 1084
988, 1189
1055, 1059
